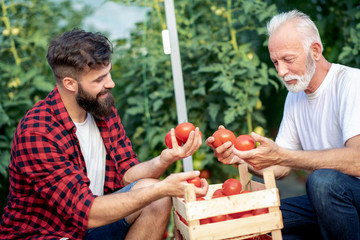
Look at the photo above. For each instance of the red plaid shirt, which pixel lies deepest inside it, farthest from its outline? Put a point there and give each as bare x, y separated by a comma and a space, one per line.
49, 195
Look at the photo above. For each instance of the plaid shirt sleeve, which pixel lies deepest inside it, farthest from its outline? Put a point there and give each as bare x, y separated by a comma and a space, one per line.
54, 189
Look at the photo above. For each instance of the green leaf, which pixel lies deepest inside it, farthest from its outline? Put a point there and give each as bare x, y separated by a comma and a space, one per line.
199, 91
43, 84
213, 111
229, 116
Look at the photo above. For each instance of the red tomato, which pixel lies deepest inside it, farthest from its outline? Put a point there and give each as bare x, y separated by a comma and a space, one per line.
222, 136
231, 186
181, 218
205, 221
260, 211
196, 181
166, 234
242, 214
218, 218
183, 130
245, 191
168, 142
218, 193
244, 142
205, 173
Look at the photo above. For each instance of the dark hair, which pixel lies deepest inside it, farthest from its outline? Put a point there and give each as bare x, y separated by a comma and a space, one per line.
76, 51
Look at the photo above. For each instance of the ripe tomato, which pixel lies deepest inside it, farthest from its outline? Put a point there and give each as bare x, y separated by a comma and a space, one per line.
222, 136
205, 221
181, 218
205, 173
218, 193
260, 211
218, 218
244, 143
183, 130
231, 186
168, 142
196, 181
242, 214
166, 234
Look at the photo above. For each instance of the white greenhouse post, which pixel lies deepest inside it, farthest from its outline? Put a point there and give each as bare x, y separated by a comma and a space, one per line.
172, 38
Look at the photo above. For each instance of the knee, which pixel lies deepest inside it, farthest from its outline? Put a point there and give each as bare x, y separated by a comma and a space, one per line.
324, 183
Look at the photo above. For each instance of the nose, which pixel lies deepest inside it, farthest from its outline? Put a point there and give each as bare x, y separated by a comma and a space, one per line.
281, 69
109, 84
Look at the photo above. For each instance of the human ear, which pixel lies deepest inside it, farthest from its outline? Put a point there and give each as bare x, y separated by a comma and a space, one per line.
316, 50
70, 84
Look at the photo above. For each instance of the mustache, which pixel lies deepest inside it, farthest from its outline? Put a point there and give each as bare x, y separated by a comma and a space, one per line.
290, 77
103, 92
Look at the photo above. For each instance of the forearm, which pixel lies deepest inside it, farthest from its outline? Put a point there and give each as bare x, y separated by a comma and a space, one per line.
113, 207
149, 169
155, 167
345, 160
279, 171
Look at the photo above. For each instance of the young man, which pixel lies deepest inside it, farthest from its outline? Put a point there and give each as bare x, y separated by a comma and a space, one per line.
70, 154
320, 132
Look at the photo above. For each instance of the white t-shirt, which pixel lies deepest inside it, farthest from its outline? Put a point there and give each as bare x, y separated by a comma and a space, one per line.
326, 118
93, 150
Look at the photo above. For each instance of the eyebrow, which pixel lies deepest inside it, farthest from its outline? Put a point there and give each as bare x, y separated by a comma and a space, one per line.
103, 76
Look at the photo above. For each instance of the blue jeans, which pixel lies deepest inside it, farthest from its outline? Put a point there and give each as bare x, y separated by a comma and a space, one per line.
330, 210
113, 231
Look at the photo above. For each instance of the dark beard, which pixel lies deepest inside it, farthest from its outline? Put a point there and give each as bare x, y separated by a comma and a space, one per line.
98, 108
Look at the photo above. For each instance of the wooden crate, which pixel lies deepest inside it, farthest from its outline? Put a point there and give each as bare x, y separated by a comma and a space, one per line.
261, 196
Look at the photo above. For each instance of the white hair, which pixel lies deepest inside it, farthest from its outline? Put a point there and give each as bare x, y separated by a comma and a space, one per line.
304, 25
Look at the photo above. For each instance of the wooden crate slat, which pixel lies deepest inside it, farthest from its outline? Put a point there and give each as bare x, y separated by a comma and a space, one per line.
232, 204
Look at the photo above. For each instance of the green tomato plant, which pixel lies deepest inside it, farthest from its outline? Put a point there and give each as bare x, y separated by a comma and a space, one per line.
223, 74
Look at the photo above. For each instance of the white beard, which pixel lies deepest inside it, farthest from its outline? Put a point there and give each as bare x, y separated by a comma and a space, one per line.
304, 80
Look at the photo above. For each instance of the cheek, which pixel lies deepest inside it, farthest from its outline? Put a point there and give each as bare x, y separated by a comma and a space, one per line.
297, 68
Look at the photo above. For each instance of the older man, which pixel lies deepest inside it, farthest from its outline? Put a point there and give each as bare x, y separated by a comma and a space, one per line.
320, 132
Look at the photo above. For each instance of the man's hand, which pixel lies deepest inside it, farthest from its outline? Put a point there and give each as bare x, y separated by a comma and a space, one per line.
193, 143
265, 155
173, 185
223, 153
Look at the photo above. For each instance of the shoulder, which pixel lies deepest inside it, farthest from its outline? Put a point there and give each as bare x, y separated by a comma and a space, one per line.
41, 120
344, 73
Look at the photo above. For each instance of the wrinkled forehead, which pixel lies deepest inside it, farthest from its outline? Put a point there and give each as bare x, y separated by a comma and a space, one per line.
285, 40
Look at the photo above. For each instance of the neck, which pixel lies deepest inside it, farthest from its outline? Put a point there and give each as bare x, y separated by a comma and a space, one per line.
322, 69
77, 113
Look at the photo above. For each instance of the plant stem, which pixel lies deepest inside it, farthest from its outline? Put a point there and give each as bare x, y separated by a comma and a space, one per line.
232, 30
8, 27
236, 47
158, 11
